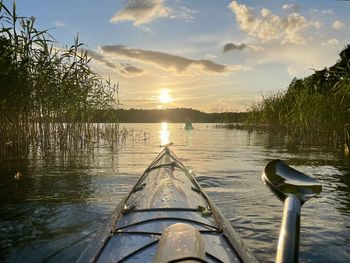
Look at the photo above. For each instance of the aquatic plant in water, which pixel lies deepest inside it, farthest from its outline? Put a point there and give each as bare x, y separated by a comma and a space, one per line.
45, 92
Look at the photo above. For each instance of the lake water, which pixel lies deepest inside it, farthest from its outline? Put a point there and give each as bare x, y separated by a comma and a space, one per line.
56, 207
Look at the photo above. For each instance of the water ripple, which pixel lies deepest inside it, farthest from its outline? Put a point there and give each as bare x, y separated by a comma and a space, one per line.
55, 210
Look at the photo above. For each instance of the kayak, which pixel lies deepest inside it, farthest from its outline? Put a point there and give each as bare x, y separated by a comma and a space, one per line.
167, 217
188, 126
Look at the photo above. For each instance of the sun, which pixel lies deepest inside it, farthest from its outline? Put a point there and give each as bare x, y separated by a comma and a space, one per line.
164, 96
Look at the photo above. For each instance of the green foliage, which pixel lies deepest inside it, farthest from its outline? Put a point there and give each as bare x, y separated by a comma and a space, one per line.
314, 109
40, 83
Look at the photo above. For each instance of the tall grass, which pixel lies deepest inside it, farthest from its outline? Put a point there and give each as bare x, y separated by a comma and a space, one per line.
314, 109
41, 85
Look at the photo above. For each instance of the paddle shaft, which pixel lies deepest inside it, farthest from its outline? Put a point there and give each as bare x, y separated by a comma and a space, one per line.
288, 242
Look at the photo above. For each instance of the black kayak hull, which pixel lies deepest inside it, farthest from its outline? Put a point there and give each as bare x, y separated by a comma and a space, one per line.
166, 194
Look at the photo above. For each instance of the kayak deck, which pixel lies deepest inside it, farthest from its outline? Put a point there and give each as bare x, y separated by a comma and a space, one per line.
165, 194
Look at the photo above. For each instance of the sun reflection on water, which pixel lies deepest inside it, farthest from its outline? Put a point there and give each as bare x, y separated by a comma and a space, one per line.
164, 134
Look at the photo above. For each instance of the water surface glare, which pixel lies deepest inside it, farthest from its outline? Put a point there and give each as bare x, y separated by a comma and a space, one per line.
56, 207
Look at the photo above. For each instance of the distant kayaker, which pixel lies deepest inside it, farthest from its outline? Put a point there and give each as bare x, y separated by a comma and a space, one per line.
188, 124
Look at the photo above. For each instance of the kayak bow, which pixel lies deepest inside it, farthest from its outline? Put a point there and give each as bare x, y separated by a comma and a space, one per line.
166, 217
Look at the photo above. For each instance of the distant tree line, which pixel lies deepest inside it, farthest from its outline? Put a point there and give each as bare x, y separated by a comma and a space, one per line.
178, 115
314, 109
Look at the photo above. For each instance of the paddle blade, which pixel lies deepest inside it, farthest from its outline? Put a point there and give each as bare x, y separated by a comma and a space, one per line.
286, 181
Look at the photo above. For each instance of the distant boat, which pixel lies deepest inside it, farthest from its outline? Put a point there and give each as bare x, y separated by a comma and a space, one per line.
188, 126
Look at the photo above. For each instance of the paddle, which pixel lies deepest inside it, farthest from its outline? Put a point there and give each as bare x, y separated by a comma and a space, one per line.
294, 188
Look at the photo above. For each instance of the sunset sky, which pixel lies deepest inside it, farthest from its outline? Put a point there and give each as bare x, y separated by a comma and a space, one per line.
209, 55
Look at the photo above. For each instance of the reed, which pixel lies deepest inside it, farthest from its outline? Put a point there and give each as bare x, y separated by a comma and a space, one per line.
313, 110
46, 92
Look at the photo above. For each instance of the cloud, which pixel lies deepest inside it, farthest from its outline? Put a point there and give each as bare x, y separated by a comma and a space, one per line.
298, 60
293, 8
230, 47
269, 26
100, 58
131, 70
188, 14
332, 41
141, 12
166, 61
185, 13
324, 12
317, 24
211, 56
327, 12
125, 69
337, 25
59, 24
